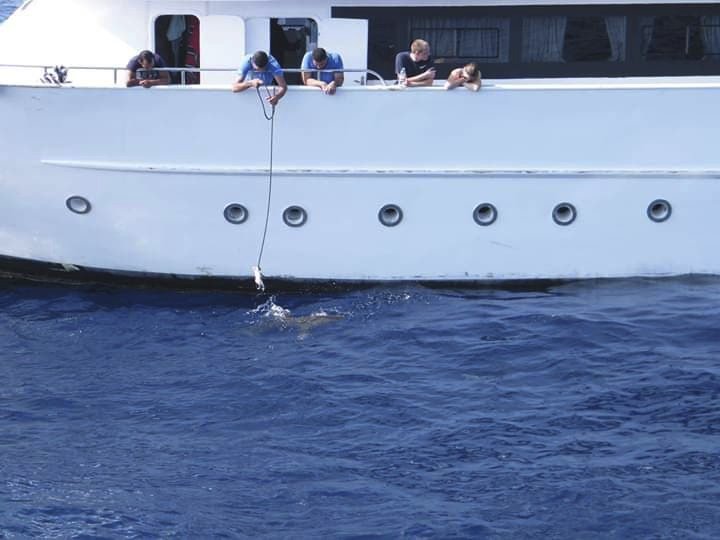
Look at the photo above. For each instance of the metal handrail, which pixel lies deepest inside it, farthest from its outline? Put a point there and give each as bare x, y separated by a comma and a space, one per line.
343, 70
186, 70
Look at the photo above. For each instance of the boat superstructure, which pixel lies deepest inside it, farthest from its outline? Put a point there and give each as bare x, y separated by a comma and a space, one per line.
581, 171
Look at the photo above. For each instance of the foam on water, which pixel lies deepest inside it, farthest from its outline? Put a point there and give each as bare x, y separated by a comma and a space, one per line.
269, 315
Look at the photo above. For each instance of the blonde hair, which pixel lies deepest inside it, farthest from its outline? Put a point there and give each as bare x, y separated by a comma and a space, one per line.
419, 45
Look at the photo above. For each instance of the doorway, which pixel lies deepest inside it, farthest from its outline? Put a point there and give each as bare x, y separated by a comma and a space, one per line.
177, 41
290, 39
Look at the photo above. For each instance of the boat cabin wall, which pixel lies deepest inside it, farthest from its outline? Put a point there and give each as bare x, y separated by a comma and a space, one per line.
77, 32
107, 33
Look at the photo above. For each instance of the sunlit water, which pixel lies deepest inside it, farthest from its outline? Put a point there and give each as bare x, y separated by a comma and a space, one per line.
587, 410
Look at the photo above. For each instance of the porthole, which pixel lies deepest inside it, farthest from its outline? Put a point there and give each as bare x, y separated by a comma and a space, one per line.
236, 213
295, 216
485, 214
564, 214
390, 215
78, 205
659, 210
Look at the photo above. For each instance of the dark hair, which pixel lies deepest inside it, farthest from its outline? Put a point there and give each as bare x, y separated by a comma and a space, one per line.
260, 59
148, 56
319, 55
472, 70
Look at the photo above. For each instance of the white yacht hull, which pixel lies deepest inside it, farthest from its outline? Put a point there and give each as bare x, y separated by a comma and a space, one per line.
160, 166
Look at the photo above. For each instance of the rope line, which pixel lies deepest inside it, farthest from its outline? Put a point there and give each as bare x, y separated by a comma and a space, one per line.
257, 270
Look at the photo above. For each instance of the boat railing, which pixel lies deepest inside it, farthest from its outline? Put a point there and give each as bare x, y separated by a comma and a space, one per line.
184, 71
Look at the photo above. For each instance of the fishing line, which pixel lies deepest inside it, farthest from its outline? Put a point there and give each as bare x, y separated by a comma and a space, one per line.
257, 269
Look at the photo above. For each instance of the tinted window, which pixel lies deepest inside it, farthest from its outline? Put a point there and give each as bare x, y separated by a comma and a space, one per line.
559, 40
573, 39
680, 38
710, 34
482, 38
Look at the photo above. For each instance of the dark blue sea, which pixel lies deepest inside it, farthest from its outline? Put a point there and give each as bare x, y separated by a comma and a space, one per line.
7, 7
582, 410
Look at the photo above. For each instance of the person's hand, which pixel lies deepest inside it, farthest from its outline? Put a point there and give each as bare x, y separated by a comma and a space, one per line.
330, 88
145, 83
430, 72
256, 83
323, 87
273, 100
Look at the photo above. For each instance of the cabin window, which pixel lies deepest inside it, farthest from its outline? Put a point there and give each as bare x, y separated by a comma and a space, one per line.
680, 38
560, 40
573, 39
455, 39
710, 33
177, 41
290, 39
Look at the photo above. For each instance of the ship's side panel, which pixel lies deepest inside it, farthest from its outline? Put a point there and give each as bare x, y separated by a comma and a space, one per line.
160, 166
438, 238
140, 221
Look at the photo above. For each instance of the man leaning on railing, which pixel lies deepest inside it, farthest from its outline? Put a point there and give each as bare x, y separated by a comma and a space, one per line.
260, 69
147, 65
320, 59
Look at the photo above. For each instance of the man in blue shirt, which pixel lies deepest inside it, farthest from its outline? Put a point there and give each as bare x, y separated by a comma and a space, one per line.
261, 69
327, 82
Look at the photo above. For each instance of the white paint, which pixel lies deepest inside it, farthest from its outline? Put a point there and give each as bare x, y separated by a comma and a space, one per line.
222, 42
349, 38
138, 167
258, 35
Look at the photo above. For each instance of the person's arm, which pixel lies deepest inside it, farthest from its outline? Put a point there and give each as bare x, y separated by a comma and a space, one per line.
241, 85
131, 79
145, 79
338, 77
163, 80
426, 78
474, 86
453, 80
282, 84
332, 86
308, 80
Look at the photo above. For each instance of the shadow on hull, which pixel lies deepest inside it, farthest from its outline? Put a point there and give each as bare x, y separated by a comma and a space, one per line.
31, 271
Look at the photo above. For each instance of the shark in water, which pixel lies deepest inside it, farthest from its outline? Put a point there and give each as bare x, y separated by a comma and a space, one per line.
275, 316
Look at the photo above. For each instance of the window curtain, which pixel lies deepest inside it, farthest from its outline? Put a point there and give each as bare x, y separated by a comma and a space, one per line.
711, 37
543, 39
647, 27
484, 38
616, 27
